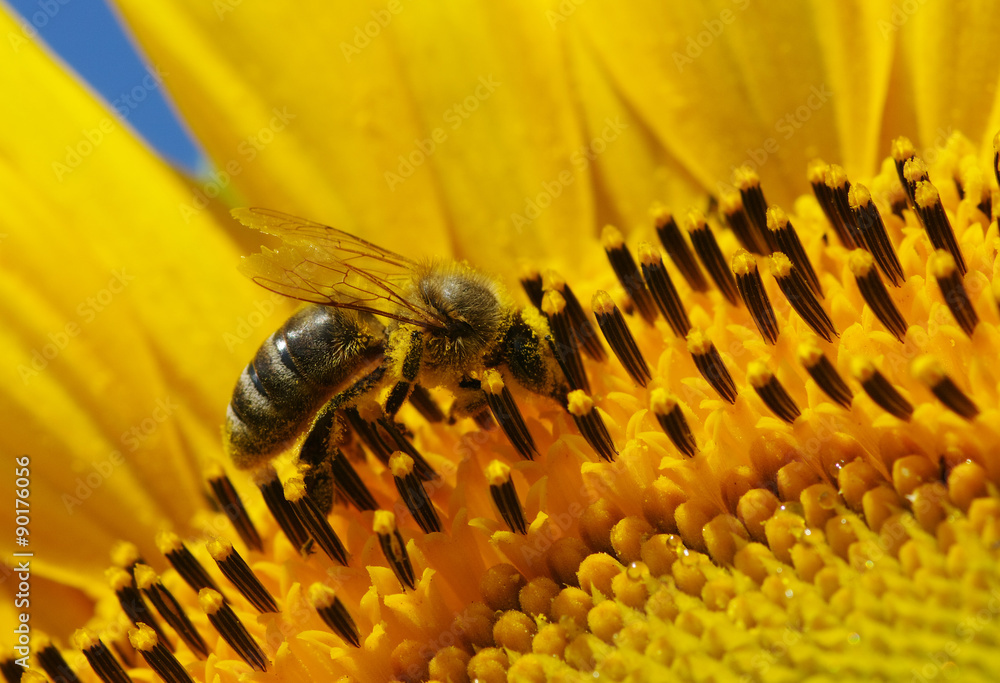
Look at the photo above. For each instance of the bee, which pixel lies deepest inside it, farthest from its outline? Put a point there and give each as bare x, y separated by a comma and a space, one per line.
379, 329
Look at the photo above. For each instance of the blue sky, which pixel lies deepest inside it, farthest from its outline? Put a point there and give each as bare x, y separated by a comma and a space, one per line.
88, 36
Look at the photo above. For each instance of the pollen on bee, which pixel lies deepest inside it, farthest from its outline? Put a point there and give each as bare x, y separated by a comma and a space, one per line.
928, 370
333, 613
167, 606
234, 567
393, 547
505, 496
160, 659
232, 630
619, 338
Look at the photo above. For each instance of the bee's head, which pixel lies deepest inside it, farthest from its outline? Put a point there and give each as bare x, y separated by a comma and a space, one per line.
469, 305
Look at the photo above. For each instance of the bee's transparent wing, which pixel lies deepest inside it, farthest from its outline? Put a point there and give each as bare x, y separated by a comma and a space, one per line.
324, 265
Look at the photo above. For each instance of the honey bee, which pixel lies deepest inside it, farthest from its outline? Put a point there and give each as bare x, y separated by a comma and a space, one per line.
379, 327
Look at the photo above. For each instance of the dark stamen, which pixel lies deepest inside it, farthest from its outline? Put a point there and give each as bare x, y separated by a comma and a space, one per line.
314, 521
880, 390
628, 274
425, 404
619, 338
772, 392
591, 424
788, 243
54, 665
738, 221
801, 297
680, 253
817, 172
953, 290
672, 421
996, 157
367, 432
234, 567
274, 496
181, 559
567, 352
232, 630
903, 151
505, 496
929, 371
872, 229
936, 223
751, 289
531, 281
506, 412
333, 613
897, 200
393, 547
748, 183
663, 290
583, 330
147, 643
232, 507
399, 442
100, 658
711, 256
131, 601
824, 374
875, 294
836, 181
411, 490
171, 611
709, 363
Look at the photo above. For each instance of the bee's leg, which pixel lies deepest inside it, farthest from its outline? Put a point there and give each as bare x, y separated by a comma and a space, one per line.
530, 356
409, 371
327, 469
470, 401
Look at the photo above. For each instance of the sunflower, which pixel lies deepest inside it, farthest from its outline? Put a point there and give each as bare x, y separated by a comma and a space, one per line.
780, 457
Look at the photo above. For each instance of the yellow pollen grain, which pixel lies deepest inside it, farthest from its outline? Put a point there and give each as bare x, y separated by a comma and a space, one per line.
551, 279
295, 489
383, 522
943, 264
745, 178
143, 638
220, 549
915, 170
117, 578
862, 369
553, 303
698, 343
84, 639
661, 402
611, 238
400, 464
758, 375
694, 220
780, 265
580, 404
210, 600
809, 353
860, 262
168, 542
321, 596
927, 369
602, 304
731, 203
816, 171
492, 382
124, 554
743, 262
835, 176
497, 473
858, 196
926, 195
902, 149
777, 219
647, 255
145, 577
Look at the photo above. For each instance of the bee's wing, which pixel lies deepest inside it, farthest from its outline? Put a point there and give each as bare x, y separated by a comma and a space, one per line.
324, 265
